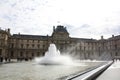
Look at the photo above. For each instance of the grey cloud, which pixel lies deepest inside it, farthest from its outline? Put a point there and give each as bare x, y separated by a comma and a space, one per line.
69, 26
13, 5
7, 17
112, 30
116, 30
3, 1
85, 26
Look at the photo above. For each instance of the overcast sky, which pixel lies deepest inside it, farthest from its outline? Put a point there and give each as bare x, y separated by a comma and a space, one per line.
83, 18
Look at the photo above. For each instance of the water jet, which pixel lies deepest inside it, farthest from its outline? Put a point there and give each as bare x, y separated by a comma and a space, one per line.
53, 57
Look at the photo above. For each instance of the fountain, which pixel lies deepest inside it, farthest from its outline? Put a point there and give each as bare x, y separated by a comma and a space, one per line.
49, 69
53, 57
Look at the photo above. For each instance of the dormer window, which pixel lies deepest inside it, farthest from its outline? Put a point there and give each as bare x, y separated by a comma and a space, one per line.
60, 32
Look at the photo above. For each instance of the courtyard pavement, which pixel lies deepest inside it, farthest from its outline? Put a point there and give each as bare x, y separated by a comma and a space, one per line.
112, 73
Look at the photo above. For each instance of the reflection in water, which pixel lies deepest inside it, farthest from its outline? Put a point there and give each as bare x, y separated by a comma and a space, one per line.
30, 71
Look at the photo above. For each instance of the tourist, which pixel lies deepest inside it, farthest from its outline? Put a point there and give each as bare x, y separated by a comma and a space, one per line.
5, 59
1, 59
9, 59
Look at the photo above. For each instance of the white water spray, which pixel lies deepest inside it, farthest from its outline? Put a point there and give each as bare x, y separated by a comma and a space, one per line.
53, 56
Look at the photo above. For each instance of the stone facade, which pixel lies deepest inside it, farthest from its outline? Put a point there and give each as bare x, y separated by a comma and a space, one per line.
30, 46
4, 35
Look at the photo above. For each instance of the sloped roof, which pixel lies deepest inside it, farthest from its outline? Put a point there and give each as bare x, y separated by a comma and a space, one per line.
2, 31
24, 36
60, 28
83, 39
115, 37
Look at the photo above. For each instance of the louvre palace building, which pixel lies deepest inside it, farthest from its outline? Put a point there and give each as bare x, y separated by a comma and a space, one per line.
31, 46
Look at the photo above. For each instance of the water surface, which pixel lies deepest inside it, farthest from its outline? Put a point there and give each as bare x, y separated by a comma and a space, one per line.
31, 71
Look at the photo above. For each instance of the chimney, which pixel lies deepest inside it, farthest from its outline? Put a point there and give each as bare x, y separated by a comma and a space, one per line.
53, 28
112, 36
8, 30
102, 37
19, 33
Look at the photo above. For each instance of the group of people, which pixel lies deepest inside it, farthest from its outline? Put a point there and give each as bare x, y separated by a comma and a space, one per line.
4, 58
116, 59
23, 59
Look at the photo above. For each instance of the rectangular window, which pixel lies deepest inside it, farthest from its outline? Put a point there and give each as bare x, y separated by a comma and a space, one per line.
11, 54
33, 41
38, 46
43, 46
12, 45
27, 45
21, 45
80, 47
115, 46
21, 54
27, 40
0, 51
116, 54
38, 53
84, 48
32, 54
33, 45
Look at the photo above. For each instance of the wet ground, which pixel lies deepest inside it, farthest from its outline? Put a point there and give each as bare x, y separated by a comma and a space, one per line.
112, 73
